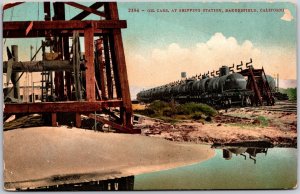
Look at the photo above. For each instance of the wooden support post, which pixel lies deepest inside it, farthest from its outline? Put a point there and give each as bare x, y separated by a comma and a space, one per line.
53, 119
256, 90
108, 68
89, 57
78, 120
68, 75
102, 80
59, 14
100, 71
59, 85
47, 11
120, 60
112, 53
115, 68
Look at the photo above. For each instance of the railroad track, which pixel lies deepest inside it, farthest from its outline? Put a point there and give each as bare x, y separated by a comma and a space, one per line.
288, 107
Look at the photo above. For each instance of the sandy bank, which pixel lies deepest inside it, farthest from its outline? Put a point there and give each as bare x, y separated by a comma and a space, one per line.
42, 156
277, 124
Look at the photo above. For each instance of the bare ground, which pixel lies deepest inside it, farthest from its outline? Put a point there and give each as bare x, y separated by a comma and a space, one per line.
233, 125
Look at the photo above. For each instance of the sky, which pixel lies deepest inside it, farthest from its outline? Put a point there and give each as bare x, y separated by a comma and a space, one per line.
160, 45
164, 44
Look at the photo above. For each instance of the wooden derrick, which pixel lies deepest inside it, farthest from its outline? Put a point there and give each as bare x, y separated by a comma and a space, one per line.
95, 83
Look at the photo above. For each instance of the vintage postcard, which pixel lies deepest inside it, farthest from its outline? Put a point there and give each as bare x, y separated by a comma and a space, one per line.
102, 96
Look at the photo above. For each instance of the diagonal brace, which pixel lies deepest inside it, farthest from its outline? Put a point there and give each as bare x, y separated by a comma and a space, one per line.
88, 9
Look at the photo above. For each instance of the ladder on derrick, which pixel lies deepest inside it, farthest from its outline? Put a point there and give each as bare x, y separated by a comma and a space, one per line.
46, 88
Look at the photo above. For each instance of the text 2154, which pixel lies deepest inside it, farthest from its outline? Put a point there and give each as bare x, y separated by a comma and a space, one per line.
133, 10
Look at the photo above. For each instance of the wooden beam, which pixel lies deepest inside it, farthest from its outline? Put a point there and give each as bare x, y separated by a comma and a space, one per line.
29, 28
87, 9
10, 5
43, 33
89, 57
120, 128
84, 14
64, 25
69, 106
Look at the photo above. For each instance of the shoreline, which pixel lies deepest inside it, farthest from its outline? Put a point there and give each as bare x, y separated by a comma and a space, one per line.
59, 155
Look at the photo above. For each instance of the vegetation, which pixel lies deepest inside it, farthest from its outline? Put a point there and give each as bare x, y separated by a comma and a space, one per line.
259, 121
263, 121
291, 92
172, 112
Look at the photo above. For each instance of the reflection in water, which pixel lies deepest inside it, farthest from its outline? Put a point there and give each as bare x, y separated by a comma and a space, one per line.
117, 184
252, 151
269, 172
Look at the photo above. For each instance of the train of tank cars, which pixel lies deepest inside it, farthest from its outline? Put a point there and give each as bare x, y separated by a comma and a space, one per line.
224, 90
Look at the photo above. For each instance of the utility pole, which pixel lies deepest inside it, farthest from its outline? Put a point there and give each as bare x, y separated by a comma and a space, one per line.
277, 82
32, 90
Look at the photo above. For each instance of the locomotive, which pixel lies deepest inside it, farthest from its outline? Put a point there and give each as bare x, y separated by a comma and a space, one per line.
225, 90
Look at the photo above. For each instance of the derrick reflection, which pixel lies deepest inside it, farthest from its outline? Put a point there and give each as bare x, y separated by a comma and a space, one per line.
251, 151
248, 149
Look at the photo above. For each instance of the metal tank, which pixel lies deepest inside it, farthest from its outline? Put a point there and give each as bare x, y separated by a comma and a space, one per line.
234, 81
176, 90
168, 91
226, 81
189, 87
181, 89
213, 85
162, 92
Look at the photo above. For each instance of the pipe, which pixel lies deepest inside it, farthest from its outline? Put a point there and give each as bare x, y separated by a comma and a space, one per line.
14, 75
240, 66
249, 64
39, 66
231, 68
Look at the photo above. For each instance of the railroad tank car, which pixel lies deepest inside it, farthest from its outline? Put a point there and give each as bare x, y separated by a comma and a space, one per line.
223, 90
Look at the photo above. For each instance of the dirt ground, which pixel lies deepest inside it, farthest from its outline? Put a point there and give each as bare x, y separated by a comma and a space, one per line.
277, 124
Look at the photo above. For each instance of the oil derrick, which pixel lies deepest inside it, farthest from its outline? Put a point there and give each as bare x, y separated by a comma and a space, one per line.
92, 81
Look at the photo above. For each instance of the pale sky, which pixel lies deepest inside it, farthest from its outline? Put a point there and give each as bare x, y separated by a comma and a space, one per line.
159, 46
